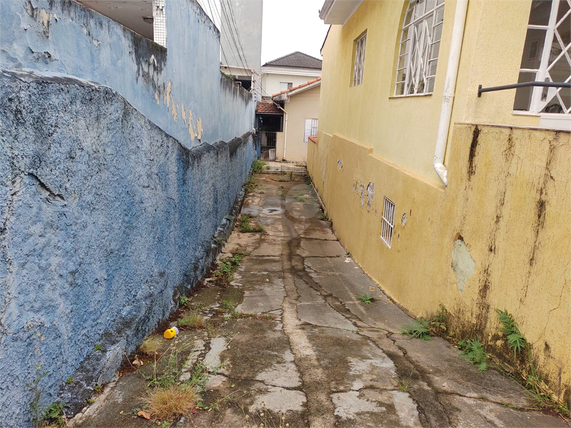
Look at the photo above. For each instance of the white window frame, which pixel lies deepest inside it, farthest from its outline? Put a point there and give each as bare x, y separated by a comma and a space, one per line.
310, 129
284, 86
419, 47
359, 65
541, 97
388, 222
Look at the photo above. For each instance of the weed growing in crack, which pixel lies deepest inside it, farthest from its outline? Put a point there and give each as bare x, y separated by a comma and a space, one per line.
250, 185
191, 319
474, 352
246, 227
258, 166
227, 267
366, 298
323, 216
54, 415
172, 401
418, 329
183, 301
516, 341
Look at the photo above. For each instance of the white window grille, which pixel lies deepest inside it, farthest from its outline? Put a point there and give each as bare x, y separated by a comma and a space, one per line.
419, 47
358, 68
284, 86
388, 222
310, 129
546, 58
159, 23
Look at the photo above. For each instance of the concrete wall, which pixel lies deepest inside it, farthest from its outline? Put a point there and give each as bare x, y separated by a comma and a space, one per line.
105, 220
492, 238
177, 88
119, 160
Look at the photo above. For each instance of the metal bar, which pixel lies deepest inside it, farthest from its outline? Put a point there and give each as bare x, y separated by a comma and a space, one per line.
523, 85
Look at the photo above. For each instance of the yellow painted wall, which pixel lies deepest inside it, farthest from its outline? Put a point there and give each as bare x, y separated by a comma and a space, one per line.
304, 105
403, 129
509, 192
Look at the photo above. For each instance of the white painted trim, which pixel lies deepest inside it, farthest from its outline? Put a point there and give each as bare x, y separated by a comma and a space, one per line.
291, 71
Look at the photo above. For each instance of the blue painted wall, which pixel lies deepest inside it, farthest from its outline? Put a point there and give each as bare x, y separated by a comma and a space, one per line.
62, 37
109, 199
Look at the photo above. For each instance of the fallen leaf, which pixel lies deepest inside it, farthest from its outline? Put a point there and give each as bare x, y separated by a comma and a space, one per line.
144, 414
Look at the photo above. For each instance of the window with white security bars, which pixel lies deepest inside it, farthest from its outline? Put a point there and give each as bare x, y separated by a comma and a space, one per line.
388, 222
358, 68
419, 47
310, 129
546, 58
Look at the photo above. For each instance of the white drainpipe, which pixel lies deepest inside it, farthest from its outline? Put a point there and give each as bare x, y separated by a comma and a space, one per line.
449, 89
285, 135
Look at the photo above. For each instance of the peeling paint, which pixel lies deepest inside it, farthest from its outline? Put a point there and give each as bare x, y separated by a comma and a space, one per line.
362, 193
190, 128
96, 42
183, 112
199, 128
463, 264
168, 94
370, 194
339, 164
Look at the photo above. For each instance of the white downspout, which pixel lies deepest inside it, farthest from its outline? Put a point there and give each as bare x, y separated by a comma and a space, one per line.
285, 135
449, 89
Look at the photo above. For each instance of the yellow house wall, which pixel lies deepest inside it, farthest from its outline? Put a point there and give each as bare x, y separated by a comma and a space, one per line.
508, 201
304, 105
512, 212
403, 129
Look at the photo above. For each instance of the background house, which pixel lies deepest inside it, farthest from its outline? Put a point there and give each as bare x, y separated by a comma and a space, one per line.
289, 110
444, 196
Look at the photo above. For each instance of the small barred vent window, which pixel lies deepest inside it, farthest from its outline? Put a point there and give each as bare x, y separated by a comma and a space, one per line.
359, 65
388, 223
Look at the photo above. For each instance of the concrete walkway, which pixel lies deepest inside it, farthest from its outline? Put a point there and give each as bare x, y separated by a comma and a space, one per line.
317, 355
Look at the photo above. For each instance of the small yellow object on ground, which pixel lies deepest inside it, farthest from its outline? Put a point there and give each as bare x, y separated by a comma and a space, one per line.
170, 333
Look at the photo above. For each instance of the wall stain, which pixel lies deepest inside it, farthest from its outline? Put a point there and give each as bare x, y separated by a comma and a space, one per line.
472, 155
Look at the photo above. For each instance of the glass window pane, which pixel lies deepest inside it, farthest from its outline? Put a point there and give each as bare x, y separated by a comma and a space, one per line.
401, 76
564, 31
435, 50
400, 89
563, 9
533, 48
430, 84
523, 95
430, 4
560, 71
437, 33
554, 106
432, 68
540, 11
402, 61
439, 15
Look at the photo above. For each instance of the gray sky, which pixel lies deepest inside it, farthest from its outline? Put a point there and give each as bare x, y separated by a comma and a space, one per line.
292, 25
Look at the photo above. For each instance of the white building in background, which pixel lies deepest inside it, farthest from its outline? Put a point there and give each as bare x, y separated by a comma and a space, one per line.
240, 25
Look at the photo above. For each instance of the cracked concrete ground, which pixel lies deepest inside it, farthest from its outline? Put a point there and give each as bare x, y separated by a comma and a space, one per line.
316, 355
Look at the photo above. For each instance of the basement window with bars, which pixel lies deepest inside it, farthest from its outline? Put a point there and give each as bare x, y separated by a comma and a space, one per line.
546, 58
359, 65
419, 47
388, 222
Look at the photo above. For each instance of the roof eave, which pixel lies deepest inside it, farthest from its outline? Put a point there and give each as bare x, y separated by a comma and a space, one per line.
338, 12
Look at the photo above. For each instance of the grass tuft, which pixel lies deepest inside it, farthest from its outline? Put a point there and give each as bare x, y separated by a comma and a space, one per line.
418, 329
151, 345
172, 401
246, 227
191, 319
366, 298
473, 351
516, 340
